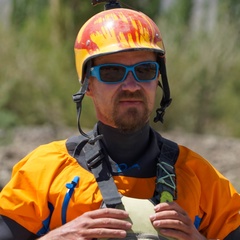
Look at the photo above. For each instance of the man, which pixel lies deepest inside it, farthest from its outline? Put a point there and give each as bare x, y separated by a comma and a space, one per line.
67, 189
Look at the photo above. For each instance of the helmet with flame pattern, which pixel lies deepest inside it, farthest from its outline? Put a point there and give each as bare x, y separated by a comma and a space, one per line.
114, 31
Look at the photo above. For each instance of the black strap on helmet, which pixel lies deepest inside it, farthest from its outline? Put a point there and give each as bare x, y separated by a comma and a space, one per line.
166, 99
78, 97
110, 4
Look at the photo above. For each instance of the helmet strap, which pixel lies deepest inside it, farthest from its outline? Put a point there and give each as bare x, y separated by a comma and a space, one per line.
166, 100
110, 4
78, 97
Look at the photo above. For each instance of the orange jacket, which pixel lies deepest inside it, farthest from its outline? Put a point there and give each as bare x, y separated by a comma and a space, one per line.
35, 195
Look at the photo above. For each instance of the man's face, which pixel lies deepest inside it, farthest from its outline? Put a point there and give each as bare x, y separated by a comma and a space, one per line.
126, 105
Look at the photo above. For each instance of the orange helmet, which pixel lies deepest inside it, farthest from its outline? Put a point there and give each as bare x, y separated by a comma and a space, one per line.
115, 30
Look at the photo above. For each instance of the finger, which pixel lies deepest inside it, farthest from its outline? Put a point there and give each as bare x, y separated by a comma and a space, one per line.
107, 212
169, 206
170, 214
170, 224
174, 223
111, 223
171, 219
107, 228
99, 233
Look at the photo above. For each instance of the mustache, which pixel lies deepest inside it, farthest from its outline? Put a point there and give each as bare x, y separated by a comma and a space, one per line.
131, 95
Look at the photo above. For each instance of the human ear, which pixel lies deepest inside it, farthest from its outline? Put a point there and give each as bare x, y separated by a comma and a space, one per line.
89, 88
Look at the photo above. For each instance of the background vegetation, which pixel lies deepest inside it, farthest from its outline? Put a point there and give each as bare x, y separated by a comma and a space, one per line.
38, 78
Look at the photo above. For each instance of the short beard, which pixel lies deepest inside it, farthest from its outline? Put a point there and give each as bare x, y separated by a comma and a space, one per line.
132, 120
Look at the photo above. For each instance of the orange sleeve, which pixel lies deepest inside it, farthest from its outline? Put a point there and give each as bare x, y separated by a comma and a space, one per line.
25, 198
206, 193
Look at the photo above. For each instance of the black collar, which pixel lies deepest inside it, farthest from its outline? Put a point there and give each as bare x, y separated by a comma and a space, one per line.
134, 153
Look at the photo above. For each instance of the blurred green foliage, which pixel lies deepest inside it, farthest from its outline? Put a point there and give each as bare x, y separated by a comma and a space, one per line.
203, 70
38, 77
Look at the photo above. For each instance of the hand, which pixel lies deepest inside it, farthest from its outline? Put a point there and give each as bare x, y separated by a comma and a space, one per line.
101, 223
173, 221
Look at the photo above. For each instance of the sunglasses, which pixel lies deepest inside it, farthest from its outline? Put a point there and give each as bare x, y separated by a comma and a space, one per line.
111, 73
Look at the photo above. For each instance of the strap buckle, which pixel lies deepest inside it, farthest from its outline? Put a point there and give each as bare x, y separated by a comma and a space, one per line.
94, 160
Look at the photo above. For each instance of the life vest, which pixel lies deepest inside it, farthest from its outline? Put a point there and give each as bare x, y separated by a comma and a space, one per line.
89, 155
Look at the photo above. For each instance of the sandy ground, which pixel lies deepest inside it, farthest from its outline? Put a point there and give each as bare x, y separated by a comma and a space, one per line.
223, 153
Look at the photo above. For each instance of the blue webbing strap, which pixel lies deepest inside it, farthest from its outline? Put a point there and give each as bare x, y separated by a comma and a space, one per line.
197, 222
46, 222
70, 187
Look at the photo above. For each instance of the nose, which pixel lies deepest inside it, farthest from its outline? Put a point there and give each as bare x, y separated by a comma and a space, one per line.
130, 83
